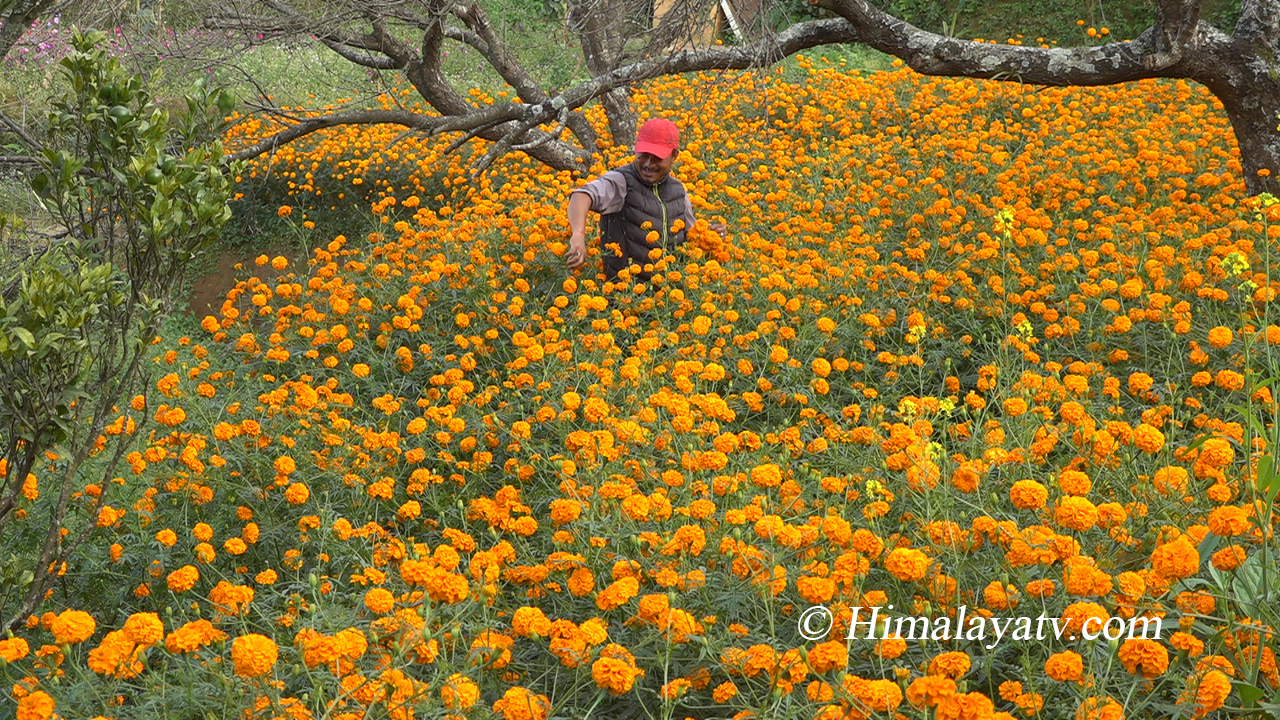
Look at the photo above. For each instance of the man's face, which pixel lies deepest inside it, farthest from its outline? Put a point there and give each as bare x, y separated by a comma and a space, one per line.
652, 168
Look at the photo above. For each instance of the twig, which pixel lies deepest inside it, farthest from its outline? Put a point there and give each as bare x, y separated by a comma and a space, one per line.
22, 134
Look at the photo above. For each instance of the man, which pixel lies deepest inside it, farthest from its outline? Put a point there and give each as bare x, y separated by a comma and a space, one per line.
642, 208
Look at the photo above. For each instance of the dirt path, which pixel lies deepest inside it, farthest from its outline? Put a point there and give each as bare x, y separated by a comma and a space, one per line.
209, 290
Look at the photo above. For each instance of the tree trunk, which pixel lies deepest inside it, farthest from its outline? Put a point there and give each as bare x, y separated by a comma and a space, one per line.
1254, 111
18, 21
1244, 73
599, 25
622, 120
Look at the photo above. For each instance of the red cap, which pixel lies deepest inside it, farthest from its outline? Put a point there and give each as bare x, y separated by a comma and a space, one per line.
658, 136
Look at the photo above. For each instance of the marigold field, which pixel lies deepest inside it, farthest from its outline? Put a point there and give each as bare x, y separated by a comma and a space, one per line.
966, 344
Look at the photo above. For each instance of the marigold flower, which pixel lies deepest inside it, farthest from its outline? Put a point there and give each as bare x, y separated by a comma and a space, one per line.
907, 564
459, 692
193, 636
254, 655
36, 706
1099, 708
1220, 337
379, 600
70, 627
930, 690
1028, 495
1074, 482
116, 656
1176, 560
14, 649
950, 664
145, 628
518, 703
1209, 691
962, 706
827, 656
617, 593
1066, 666
615, 675
183, 579
297, 493
1144, 657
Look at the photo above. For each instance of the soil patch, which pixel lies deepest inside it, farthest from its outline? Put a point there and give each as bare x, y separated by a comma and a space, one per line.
209, 289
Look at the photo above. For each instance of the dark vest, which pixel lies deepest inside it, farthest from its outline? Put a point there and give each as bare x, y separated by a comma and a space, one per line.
622, 234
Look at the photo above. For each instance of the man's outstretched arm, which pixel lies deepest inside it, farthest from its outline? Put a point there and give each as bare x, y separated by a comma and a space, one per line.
579, 205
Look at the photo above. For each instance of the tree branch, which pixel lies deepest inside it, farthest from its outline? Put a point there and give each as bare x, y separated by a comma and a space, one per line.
1147, 56
349, 53
22, 134
761, 53
405, 118
1259, 21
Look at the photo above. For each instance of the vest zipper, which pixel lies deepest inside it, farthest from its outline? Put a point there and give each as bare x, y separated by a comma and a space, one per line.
664, 217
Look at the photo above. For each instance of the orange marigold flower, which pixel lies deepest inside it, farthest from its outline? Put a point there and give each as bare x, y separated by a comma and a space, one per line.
70, 627
1229, 521
828, 656
528, 621
1028, 495
254, 655
1074, 482
1220, 336
285, 465
459, 692
1188, 643
1176, 560
950, 664
1144, 657
14, 649
1148, 439
963, 706
144, 628
379, 600
1076, 513
1170, 481
297, 493
1066, 666
1216, 452
116, 656
1229, 558
617, 593
615, 675
193, 636
930, 690
907, 564
521, 704
767, 475
183, 579
35, 706
1210, 691
1099, 708
1078, 614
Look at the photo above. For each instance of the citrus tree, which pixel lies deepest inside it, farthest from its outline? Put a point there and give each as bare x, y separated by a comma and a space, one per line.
140, 194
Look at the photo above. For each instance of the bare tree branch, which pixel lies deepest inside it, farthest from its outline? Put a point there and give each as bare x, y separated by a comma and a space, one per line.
362, 59
495, 122
22, 134
405, 118
1147, 56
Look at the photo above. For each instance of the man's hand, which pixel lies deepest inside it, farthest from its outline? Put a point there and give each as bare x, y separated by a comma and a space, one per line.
719, 228
576, 256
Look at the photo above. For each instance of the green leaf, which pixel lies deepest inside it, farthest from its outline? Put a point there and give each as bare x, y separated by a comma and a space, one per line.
1249, 694
25, 336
